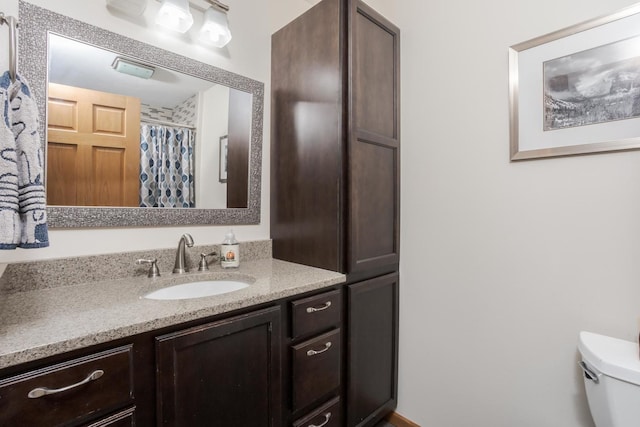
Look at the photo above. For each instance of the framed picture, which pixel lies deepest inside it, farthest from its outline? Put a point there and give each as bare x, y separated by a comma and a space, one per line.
577, 90
224, 145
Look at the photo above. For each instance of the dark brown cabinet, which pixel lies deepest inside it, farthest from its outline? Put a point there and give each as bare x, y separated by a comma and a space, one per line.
372, 354
335, 139
335, 195
72, 392
316, 357
328, 415
223, 373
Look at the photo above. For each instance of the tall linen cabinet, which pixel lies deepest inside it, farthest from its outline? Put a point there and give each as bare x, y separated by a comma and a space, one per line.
335, 186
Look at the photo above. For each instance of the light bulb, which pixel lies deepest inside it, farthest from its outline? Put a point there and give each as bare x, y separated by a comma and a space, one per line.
215, 29
175, 15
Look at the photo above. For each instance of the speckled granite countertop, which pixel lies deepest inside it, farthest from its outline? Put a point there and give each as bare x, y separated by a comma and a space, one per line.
39, 323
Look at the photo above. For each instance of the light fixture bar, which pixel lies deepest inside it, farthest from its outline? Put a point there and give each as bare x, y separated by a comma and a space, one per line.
216, 3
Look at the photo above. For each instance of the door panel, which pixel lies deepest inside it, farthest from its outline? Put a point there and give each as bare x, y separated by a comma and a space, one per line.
93, 152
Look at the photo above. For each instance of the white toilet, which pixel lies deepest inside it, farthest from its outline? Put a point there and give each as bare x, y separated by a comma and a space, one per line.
612, 379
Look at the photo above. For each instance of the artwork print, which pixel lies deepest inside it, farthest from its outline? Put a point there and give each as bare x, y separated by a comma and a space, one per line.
594, 86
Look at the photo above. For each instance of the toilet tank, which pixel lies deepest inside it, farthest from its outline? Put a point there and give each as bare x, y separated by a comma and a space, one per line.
612, 379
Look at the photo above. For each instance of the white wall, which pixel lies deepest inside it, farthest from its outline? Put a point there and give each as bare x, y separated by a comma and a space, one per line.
247, 54
213, 122
502, 263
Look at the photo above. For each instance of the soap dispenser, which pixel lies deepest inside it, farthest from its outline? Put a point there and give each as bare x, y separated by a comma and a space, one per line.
230, 251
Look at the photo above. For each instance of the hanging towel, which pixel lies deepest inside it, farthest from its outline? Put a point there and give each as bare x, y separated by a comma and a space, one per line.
23, 210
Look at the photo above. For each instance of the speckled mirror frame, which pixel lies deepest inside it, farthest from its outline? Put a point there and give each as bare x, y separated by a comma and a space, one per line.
35, 25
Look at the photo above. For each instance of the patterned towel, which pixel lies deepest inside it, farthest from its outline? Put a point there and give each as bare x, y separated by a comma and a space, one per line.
23, 210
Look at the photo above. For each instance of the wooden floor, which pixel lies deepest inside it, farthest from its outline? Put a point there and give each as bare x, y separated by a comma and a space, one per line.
384, 423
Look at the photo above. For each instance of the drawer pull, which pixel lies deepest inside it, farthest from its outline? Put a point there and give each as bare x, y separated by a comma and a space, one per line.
43, 391
314, 352
321, 308
327, 417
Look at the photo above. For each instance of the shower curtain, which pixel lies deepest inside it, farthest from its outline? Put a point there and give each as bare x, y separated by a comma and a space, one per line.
166, 166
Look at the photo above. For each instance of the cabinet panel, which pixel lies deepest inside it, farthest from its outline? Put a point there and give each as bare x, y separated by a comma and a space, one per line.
316, 368
375, 76
372, 364
374, 203
222, 373
92, 394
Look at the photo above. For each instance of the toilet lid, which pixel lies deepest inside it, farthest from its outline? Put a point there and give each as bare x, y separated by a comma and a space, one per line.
611, 356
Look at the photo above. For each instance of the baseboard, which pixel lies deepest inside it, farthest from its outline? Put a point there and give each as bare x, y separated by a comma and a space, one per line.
399, 421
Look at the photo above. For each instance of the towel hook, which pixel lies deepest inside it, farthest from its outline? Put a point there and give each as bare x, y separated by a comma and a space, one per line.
13, 51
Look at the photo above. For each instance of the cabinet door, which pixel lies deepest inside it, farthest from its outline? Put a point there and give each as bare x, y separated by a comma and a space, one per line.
372, 353
308, 138
374, 140
225, 373
93, 150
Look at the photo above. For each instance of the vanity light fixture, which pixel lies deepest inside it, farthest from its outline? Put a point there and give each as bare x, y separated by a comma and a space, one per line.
132, 68
175, 15
215, 29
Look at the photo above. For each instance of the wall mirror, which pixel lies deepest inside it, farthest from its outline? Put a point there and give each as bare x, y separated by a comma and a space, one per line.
210, 118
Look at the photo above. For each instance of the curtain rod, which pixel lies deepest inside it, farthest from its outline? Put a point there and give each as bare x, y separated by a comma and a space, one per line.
161, 122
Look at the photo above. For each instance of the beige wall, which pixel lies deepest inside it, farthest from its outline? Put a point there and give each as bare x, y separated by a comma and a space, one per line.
502, 263
247, 54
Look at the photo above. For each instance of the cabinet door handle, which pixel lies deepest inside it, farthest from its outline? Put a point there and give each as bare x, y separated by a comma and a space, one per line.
43, 391
322, 307
327, 417
314, 352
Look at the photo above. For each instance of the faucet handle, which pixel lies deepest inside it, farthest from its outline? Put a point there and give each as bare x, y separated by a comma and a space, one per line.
203, 265
154, 271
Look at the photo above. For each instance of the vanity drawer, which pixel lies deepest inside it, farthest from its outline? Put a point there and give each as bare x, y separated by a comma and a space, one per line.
327, 415
124, 418
315, 313
82, 388
316, 368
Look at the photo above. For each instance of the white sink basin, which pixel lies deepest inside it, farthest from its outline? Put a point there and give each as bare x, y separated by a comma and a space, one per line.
201, 289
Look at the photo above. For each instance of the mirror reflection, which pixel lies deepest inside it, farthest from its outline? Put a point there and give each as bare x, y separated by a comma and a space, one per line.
125, 133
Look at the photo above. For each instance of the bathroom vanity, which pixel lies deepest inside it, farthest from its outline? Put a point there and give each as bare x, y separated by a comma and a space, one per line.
313, 340
268, 355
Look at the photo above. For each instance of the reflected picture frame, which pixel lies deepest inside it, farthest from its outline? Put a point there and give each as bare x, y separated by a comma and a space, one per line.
224, 151
577, 90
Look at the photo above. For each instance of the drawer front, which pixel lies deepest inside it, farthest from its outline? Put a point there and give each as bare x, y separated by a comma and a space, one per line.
316, 368
327, 415
68, 392
124, 418
316, 313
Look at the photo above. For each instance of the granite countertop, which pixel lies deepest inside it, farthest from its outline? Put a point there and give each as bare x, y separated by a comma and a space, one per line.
38, 323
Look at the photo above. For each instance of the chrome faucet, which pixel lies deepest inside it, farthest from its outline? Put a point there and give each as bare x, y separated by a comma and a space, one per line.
186, 239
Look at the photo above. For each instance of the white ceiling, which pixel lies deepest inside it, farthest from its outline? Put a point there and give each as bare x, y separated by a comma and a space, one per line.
77, 64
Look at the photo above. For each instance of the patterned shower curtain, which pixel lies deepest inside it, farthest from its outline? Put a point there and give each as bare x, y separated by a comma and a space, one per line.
166, 166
